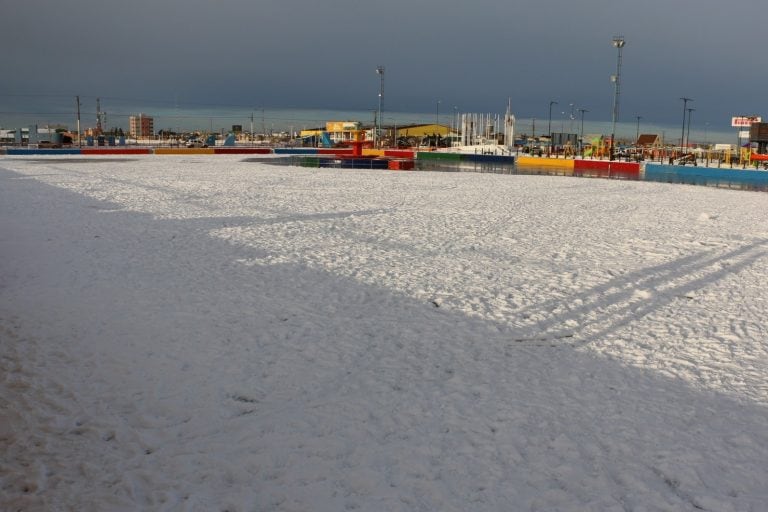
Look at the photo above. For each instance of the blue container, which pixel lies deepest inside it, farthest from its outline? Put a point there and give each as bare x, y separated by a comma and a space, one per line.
707, 176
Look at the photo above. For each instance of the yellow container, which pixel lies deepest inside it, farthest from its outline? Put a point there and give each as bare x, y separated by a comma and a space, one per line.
534, 161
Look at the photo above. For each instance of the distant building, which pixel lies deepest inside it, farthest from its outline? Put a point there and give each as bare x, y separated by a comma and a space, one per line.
648, 140
335, 131
141, 126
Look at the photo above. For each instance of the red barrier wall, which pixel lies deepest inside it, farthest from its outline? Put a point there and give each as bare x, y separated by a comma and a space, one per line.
241, 151
399, 153
607, 169
115, 151
334, 151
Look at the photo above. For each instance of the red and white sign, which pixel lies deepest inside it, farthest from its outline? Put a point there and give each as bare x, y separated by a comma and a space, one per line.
745, 121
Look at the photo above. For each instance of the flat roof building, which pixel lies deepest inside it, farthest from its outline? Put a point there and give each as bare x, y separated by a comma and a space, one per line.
141, 125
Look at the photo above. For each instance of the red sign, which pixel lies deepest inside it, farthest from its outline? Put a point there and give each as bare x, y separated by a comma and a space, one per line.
745, 121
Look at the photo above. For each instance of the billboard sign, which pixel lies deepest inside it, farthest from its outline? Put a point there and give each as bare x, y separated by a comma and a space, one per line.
342, 126
745, 121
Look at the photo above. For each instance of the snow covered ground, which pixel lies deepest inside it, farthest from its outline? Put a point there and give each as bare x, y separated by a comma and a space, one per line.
204, 333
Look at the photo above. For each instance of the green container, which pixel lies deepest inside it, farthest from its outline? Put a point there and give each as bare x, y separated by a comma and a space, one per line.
433, 155
310, 162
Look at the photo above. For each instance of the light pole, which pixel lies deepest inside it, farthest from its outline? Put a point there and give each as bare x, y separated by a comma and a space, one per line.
682, 135
549, 127
637, 133
380, 72
618, 43
394, 131
437, 123
706, 135
456, 120
581, 134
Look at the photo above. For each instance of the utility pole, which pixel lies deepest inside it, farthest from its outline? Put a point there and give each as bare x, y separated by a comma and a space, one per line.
99, 115
682, 135
688, 131
549, 127
581, 136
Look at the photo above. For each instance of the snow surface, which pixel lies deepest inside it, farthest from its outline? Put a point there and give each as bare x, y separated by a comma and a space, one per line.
206, 333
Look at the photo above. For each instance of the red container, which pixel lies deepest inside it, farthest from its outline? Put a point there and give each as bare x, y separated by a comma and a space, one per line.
607, 169
401, 165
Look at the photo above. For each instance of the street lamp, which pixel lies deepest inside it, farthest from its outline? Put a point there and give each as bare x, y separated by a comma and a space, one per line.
581, 135
437, 122
618, 43
637, 133
380, 72
682, 135
549, 127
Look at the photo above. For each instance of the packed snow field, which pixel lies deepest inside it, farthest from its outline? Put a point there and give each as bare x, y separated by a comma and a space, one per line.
205, 333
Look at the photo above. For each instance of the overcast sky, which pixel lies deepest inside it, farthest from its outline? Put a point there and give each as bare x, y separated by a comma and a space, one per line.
323, 54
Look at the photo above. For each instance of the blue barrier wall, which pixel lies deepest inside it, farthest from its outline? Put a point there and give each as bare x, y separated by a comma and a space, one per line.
16, 151
496, 159
707, 176
295, 151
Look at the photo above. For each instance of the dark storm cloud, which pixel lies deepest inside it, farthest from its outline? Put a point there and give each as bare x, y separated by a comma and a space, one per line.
472, 54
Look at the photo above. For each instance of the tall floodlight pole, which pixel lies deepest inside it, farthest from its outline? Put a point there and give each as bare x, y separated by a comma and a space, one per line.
618, 43
582, 111
637, 133
79, 140
437, 121
380, 72
682, 134
549, 127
